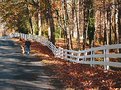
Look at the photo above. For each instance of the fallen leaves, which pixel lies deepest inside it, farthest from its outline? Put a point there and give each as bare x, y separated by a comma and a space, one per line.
79, 76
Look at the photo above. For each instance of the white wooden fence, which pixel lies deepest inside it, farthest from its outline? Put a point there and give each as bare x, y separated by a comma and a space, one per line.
93, 56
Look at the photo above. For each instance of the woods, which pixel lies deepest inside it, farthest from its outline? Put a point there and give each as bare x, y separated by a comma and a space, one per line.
89, 23
79, 40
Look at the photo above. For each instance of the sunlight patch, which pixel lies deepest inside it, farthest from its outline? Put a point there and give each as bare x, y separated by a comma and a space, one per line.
52, 62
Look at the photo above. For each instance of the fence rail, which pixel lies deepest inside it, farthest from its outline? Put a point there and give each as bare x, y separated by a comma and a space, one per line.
89, 56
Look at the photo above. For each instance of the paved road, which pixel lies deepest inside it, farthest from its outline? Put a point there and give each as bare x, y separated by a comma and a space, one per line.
22, 72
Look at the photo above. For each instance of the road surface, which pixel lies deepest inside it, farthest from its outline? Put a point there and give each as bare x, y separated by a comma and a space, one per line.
22, 72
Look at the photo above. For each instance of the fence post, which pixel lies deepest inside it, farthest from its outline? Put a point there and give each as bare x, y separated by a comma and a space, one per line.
91, 57
52, 48
65, 54
106, 59
21, 35
61, 53
85, 54
25, 36
78, 54
18, 35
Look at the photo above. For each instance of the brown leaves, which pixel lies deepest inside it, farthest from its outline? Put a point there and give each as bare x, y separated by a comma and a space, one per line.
79, 76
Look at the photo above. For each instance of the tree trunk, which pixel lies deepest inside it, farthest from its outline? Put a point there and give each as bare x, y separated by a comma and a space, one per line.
31, 26
86, 20
39, 21
66, 25
119, 23
30, 18
76, 21
39, 25
51, 21
81, 21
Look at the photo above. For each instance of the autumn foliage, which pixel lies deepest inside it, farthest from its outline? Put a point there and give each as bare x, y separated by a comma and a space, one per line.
78, 76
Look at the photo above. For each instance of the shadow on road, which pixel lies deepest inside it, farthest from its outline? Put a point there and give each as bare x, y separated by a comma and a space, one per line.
22, 72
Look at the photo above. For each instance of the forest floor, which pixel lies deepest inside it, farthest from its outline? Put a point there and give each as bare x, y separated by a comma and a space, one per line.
78, 76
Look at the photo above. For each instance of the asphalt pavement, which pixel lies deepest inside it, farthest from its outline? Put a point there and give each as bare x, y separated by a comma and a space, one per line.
24, 72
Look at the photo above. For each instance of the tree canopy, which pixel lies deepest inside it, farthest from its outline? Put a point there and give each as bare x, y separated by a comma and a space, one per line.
90, 22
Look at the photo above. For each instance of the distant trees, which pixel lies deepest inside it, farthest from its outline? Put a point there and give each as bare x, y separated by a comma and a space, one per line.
88, 22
